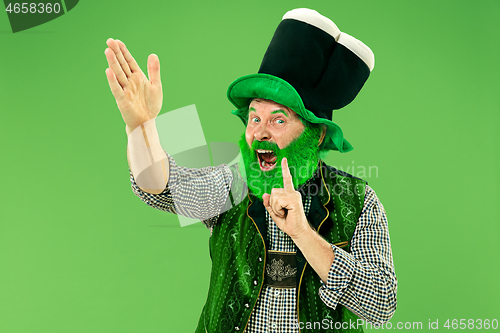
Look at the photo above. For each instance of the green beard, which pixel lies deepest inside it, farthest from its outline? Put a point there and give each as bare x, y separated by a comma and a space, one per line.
302, 155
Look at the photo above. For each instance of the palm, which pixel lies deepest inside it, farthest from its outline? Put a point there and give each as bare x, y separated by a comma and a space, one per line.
138, 98
141, 99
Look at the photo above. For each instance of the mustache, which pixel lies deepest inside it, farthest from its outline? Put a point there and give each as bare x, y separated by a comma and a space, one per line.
265, 145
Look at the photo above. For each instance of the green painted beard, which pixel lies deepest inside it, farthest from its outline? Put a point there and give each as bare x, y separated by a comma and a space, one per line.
302, 155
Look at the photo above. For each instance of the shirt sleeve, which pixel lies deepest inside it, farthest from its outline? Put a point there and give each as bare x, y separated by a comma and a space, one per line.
364, 280
194, 193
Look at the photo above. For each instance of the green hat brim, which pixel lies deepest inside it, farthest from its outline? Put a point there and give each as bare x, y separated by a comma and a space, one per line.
271, 87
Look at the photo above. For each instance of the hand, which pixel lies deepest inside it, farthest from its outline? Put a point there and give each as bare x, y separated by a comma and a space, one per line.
285, 206
138, 99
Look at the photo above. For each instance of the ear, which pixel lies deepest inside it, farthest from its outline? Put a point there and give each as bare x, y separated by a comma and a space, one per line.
323, 133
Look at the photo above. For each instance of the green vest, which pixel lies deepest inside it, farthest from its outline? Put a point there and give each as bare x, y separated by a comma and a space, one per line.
238, 251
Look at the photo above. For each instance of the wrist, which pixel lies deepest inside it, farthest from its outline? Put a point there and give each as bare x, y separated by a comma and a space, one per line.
304, 236
129, 128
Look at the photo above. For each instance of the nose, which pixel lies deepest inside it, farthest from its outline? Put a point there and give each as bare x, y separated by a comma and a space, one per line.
262, 132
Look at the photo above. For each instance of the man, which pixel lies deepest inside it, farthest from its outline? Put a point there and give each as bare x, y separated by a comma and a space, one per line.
295, 244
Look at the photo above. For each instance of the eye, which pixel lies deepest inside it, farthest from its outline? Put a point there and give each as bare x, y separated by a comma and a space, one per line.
255, 120
280, 121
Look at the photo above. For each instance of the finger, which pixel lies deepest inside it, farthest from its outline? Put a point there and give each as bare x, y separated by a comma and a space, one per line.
267, 204
116, 89
287, 176
134, 67
115, 66
275, 203
265, 199
154, 70
113, 44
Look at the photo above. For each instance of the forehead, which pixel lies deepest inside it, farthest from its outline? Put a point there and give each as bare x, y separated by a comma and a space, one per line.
272, 107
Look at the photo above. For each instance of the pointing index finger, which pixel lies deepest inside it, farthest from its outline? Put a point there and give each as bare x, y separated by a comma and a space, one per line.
287, 176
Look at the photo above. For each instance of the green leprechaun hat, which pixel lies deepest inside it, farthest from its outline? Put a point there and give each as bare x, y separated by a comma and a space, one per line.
311, 67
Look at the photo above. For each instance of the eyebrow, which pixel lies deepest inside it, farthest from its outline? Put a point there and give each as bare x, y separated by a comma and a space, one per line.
279, 111
275, 111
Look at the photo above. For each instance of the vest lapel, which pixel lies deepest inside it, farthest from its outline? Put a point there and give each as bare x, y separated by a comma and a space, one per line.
257, 212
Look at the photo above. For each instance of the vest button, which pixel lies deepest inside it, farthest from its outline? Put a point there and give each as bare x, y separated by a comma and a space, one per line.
247, 305
260, 259
255, 282
299, 259
236, 328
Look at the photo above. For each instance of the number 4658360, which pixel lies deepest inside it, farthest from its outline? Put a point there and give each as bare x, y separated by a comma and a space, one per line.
471, 323
40, 8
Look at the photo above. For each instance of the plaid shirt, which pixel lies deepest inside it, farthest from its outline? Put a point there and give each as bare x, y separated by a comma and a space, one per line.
363, 280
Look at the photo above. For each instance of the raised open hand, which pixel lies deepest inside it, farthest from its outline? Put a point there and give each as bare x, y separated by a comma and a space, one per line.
138, 98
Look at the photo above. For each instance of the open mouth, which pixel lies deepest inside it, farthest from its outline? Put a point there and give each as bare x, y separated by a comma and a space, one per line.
267, 159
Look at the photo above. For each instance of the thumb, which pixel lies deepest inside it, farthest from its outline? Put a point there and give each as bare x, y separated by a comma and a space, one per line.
154, 70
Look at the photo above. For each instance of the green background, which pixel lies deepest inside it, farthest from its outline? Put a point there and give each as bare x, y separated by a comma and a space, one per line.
80, 253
